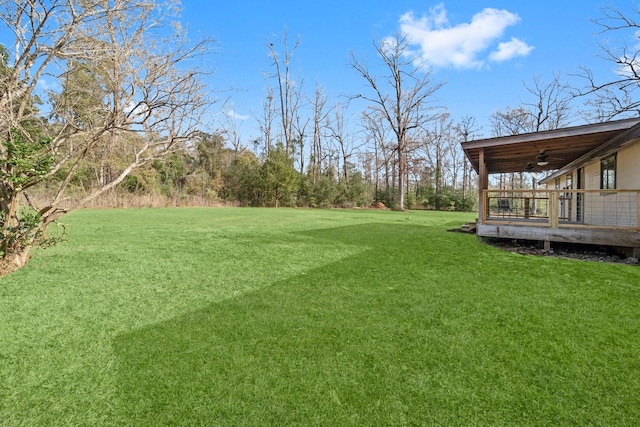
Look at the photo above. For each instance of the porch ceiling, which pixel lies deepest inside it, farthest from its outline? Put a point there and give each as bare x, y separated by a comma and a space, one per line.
513, 153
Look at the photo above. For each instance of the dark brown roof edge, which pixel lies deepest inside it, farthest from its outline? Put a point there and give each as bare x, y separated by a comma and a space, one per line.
612, 145
553, 134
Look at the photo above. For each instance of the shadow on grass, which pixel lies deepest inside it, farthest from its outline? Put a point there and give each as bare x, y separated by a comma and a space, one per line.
323, 347
385, 337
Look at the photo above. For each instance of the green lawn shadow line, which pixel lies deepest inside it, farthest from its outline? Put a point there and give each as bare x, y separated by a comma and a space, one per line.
410, 331
318, 334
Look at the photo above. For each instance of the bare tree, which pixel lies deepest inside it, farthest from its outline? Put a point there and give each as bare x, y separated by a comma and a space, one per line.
620, 96
466, 130
320, 115
288, 89
551, 105
378, 134
265, 121
549, 108
299, 127
145, 96
232, 133
437, 143
401, 97
338, 131
511, 121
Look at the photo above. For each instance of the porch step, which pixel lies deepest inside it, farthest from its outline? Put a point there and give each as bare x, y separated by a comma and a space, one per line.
469, 227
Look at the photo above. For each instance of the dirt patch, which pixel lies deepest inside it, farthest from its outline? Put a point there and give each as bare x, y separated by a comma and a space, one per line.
563, 250
378, 205
7, 267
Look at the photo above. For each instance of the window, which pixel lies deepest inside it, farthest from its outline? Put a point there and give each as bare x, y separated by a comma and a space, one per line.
608, 173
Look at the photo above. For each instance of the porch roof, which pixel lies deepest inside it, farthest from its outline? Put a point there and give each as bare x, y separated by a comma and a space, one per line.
562, 147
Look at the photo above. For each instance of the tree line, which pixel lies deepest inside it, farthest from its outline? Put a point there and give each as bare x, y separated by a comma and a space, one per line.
401, 151
127, 112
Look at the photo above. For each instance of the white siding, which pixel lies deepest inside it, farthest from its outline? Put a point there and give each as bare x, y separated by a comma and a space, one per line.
619, 209
628, 168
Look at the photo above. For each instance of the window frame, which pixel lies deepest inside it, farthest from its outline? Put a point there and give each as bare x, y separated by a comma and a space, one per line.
608, 172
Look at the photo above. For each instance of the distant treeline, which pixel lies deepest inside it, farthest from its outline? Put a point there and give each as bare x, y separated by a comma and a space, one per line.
211, 174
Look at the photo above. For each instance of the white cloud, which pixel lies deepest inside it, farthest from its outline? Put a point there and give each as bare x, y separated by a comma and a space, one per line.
629, 63
48, 86
136, 110
463, 45
510, 49
439, 15
235, 116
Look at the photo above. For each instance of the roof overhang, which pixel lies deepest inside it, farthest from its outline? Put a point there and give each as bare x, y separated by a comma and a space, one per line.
563, 147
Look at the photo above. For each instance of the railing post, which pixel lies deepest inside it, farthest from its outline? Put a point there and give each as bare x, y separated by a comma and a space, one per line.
553, 209
638, 211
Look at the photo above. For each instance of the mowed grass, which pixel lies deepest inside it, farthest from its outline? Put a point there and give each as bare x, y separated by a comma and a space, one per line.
278, 317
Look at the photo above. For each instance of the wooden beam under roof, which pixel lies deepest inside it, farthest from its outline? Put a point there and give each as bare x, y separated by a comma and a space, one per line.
563, 146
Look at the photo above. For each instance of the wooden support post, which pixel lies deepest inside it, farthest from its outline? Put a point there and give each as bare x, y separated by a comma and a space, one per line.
483, 185
553, 209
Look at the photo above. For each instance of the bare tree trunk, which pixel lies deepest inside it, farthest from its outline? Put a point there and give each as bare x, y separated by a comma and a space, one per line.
405, 107
266, 122
118, 85
319, 116
288, 94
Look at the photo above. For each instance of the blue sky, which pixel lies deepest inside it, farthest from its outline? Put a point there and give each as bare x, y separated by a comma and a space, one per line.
483, 50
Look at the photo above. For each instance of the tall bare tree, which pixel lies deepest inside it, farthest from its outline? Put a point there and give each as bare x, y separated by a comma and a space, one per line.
511, 121
550, 107
377, 133
618, 95
265, 121
289, 90
232, 133
437, 146
144, 95
338, 131
402, 96
320, 115
466, 130
299, 128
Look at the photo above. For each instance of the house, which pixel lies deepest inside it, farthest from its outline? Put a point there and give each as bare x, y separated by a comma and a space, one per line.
590, 193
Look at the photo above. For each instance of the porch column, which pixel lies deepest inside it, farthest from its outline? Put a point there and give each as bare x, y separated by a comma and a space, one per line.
553, 209
483, 184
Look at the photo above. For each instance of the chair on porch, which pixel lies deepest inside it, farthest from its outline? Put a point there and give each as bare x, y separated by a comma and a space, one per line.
504, 205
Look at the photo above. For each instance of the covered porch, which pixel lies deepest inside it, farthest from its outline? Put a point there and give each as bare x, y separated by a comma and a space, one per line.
569, 215
598, 217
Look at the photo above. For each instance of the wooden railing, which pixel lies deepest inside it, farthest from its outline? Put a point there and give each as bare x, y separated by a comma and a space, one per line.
618, 209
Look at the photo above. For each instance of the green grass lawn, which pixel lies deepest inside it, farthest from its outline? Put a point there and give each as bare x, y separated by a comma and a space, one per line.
279, 317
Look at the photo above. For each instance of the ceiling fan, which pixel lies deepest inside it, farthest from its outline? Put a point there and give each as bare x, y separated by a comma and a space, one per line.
542, 158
